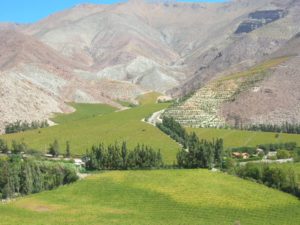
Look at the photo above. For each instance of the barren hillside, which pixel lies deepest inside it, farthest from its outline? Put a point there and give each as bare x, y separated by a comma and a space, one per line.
36, 81
266, 94
101, 53
276, 100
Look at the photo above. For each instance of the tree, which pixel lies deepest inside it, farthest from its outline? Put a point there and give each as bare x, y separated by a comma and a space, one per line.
219, 152
296, 155
20, 126
54, 149
124, 155
26, 179
283, 154
3, 146
18, 148
5, 181
38, 179
116, 157
26, 176
68, 149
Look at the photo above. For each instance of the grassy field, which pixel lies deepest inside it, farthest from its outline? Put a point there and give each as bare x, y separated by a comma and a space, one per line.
166, 197
83, 111
148, 98
238, 138
108, 128
92, 124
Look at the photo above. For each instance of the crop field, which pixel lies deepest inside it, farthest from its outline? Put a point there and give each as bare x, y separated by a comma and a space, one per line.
155, 197
110, 127
92, 124
148, 98
83, 111
239, 138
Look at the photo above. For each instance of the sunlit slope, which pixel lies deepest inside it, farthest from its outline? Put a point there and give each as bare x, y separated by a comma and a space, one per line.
83, 111
156, 197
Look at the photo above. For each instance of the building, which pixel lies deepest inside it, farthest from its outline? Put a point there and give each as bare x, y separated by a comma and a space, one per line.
79, 162
240, 155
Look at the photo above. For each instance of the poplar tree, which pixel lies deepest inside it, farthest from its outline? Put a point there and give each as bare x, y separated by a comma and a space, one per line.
68, 149
54, 149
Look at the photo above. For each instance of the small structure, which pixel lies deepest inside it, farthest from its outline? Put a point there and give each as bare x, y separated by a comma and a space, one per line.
164, 98
241, 155
260, 151
48, 155
272, 154
79, 162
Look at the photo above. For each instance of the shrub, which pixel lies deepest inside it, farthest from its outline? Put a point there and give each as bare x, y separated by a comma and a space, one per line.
283, 154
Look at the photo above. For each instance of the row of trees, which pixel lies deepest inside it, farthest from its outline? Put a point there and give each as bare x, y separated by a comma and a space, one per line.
20, 147
272, 176
195, 153
277, 146
290, 146
172, 128
16, 147
116, 157
201, 153
26, 176
283, 128
54, 149
20, 126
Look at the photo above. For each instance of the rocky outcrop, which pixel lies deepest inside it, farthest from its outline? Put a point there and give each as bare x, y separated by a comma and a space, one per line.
258, 19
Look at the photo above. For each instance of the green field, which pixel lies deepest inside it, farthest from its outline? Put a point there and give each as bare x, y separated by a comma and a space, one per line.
166, 197
95, 123
148, 98
83, 111
119, 126
239, 138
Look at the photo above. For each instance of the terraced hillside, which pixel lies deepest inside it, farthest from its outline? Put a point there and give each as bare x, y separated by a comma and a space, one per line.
156, 197
203, 109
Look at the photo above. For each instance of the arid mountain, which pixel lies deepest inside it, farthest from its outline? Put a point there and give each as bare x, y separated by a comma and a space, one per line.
101, 53
238, 50
11, 26
265, 94
275, 100
36, 81
167, 43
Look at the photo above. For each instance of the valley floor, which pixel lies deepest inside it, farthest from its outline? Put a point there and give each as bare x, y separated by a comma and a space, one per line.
92, 125
241, 138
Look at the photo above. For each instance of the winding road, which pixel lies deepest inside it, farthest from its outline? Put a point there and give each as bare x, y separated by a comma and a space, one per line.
155, 118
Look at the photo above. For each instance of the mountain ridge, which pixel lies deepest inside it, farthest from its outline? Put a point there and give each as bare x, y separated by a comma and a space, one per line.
105, 53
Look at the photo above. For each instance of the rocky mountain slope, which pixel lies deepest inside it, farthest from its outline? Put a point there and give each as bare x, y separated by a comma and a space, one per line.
223, 101
101, 53
36, 81
276, 99
239, 49
265, 94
